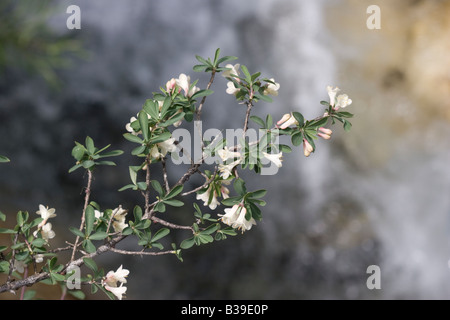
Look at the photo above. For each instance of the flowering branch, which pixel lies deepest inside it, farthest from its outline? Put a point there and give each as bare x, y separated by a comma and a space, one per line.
152, 132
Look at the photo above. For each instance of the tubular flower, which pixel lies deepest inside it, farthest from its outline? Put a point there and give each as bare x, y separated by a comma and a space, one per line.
111, 280
275, 158
342, 101
332, 94
307, 148
119, 219
45, 214
231, 89
287, 120
171, 85
232, 72
184, 82
235, 217
205, 196
272, 88
226, 154
325, 133
225, 169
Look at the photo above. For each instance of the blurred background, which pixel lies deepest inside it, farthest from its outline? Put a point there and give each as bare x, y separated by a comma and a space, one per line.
378, 195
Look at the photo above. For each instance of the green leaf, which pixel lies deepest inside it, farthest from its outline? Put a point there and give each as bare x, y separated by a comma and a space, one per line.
299, 117
225, 59
29, 295
112, 153
10, 231
138, 150
248, 77
177, 117
4, 266
133, 173
157, 186
202, 93
199, 68
239, 186
152, 108
258, 121
88, 164
175, 191
161, 233
205, 238
75, 167
76, 232
347, 125
137, 213
128, 186
161, 138
106, 163
174, 202
143, 122
78, 152
90, 264
90, 145
89, 246
263, 97
297, 138
211, 229
325, 103
100, 235
257, 194
90, 219
160, 207
133, 138
231, 201
187, 243
2, 216
38, 242
57, 277
78, 294
4, 159
166, 105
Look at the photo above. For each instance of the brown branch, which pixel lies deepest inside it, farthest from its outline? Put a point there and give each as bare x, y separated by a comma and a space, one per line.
142, 253
83, 216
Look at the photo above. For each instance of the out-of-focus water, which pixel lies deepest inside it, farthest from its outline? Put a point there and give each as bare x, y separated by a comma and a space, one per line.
375, 196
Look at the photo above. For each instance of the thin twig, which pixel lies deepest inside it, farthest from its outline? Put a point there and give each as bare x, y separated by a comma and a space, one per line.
83, 216
169, 224
142, 253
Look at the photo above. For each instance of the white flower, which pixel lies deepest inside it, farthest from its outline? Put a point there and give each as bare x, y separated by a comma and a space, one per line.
272, 88
45, 214
39, 258
205, 196
275, 158
129, 128
19, 266
242, 223
235, 217
342, 101
171, 84
98, 214
231, 89
234, 71
119, 219
225, 169
286, 121
111, 279
226, 154
120, 275
117, 291
167, 146
184, 82
332, 94
47, 232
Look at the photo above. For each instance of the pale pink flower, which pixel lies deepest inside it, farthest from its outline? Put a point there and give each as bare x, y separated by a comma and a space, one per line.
307, 148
